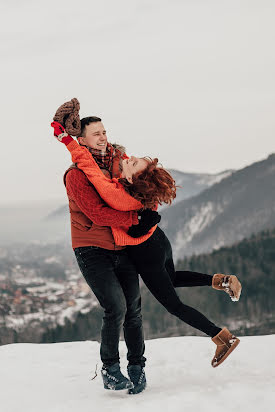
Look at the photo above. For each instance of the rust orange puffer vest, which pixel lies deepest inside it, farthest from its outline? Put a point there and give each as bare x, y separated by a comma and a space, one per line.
110, 190
84, 232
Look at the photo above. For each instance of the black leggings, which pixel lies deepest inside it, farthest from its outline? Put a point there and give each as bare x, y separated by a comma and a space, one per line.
154, 262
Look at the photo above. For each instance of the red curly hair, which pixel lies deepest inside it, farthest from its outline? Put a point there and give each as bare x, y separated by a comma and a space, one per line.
152, 185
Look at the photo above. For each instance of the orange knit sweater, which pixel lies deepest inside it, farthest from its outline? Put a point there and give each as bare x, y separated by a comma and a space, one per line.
110, 190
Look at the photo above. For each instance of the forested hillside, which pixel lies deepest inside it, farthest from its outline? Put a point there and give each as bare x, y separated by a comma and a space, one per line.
253, 260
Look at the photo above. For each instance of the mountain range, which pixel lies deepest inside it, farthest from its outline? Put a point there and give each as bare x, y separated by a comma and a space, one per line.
237, 206
189, 184
210, 211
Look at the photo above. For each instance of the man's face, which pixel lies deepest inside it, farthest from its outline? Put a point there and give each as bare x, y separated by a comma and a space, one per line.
95, 136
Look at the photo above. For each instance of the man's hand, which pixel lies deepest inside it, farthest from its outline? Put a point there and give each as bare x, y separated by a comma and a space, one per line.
147, 219
61, 134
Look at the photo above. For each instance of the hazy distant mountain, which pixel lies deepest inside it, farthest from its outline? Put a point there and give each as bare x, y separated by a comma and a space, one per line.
205, 196
240, 204
59, 213
194, 183
26, 223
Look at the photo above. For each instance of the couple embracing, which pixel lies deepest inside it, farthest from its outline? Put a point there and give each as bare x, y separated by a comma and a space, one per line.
113, 202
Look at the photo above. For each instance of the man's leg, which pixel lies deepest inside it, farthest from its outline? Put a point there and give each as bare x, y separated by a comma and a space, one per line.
98, 270
133, 331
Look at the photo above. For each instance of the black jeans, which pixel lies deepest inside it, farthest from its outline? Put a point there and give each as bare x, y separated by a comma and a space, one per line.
153, 260
114, 281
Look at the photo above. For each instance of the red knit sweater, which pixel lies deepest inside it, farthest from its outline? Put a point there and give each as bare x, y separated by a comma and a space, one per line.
110, 190
90, 203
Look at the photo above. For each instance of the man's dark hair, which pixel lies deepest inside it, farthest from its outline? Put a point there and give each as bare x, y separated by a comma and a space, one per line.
86, 121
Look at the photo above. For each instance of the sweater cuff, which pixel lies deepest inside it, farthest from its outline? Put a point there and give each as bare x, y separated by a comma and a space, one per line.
67, 140
72, 144
135, 217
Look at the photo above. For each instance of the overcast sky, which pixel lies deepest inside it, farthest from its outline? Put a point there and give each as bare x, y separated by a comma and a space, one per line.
189, 81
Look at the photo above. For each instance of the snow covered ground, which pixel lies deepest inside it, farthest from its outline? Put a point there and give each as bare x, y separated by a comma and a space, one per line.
56, 377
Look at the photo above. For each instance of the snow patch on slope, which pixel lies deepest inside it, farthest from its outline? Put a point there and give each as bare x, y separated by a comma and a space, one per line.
210, 180
202, 218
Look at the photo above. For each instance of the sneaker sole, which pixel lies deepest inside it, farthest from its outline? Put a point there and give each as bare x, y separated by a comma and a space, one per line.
235, 344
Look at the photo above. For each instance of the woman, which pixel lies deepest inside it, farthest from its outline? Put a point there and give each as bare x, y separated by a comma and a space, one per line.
143, 185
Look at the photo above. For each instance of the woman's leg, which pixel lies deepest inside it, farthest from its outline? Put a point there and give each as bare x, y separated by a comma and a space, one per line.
159, 283
149, 259
189, 279
183, 278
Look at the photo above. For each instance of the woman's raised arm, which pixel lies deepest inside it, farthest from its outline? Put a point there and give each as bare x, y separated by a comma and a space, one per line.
110, 190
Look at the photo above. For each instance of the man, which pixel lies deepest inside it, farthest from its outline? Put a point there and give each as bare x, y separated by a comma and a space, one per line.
104, 265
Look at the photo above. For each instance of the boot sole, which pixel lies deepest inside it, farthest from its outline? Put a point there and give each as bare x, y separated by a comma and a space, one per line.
119, 387
236, 287
137, 389
235, 344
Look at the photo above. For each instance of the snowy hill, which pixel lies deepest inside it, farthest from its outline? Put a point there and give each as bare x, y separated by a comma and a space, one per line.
191, 184
237, 206
49, 221
57, 377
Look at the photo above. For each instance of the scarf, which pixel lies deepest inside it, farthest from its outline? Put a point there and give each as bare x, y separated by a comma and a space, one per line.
103, 159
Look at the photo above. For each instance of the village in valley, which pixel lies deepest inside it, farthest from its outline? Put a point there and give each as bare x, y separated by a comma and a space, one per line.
30, 295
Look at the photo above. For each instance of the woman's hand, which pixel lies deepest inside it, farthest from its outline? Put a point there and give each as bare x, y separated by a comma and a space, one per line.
147, 219
61, 134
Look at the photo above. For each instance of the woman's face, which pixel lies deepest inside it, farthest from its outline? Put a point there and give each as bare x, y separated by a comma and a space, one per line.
132, 166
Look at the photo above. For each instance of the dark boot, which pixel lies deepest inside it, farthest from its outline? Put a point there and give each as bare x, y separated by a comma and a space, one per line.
113, 378
137, 376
